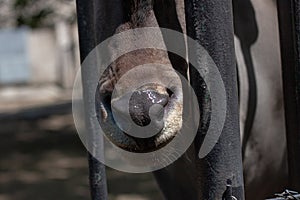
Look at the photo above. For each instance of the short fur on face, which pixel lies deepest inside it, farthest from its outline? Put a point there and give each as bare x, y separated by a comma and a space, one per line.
113, 75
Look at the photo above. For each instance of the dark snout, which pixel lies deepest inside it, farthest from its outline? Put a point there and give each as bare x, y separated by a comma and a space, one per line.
140, 114
143, 119
147, 105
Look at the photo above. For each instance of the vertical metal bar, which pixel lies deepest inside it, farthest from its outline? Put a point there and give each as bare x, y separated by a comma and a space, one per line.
85, 14
289, 23
97, 20
211, 24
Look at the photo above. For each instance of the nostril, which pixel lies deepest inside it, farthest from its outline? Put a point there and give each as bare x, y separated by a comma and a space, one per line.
142, 101
170, 93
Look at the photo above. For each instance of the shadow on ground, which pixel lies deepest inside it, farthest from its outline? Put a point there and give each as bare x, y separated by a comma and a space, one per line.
44, 160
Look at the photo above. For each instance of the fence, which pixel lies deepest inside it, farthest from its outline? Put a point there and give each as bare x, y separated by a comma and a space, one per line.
210, 23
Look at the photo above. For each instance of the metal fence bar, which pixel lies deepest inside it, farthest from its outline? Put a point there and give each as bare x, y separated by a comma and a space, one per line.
97, 175
289, 23
97, 20
211, 24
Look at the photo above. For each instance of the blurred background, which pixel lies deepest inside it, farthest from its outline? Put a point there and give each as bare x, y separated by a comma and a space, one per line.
41, 156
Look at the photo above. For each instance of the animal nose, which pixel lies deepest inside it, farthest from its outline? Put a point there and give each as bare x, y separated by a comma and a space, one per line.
140, 114
146, 106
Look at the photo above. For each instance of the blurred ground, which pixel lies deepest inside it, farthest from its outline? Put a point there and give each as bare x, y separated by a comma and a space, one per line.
42, 158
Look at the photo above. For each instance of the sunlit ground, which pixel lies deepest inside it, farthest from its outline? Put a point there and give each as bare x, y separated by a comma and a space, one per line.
44, 159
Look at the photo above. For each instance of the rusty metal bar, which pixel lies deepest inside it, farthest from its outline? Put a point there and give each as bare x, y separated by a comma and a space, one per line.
289, 23
211, 24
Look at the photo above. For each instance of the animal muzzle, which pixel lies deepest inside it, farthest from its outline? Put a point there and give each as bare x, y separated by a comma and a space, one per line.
141, 114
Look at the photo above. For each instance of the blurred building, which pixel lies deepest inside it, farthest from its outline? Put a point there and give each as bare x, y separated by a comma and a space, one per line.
38, 51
